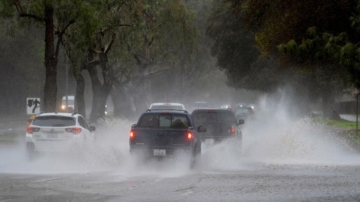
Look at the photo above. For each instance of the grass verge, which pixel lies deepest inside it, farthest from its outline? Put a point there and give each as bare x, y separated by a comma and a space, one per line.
11, 136
348, 128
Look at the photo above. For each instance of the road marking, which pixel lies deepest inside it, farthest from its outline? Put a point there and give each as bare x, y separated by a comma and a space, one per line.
158, 180
187, 192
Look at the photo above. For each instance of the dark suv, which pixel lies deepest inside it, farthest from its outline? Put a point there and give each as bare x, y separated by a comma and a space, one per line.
220, 124
243, 112
163, 133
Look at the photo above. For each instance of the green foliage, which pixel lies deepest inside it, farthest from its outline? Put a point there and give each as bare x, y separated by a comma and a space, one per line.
6, 9
233, 45
291, 46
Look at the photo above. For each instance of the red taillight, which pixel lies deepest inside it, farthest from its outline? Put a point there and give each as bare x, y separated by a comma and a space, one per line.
73, 130
132, 134
189, 136
233, 129
30, 129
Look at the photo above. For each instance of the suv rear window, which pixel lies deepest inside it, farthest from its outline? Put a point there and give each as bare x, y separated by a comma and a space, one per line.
214, 116
54, 121
164, 121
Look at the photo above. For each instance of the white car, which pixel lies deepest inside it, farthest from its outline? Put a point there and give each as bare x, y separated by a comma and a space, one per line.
167, 106
58, 131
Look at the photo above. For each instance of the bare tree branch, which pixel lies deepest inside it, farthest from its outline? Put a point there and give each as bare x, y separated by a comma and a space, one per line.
36, 18
165, 55
148, 15
60, 35
111, 43
138, 55
156, 72
18, 6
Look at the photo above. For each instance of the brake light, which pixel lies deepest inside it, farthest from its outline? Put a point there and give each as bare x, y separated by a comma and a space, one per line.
73, 130
189, 136
233, 129
30, 129
132, 134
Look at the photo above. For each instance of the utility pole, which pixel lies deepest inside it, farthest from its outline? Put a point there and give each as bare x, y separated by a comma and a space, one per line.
66, 83
357, 112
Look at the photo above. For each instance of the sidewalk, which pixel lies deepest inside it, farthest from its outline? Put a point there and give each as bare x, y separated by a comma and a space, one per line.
349, 117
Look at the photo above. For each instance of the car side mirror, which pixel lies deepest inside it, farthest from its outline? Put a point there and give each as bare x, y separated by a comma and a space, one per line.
241, 122
92, 128
201, 129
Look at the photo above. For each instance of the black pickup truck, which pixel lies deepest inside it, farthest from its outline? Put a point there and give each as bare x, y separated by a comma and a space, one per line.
160, 133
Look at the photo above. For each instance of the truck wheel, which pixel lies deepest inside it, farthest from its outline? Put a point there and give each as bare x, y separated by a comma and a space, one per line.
195, 156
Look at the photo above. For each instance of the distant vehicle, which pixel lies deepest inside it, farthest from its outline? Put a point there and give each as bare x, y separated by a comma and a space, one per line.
241, 105
164, 133
252, 106
70, 107
167, 106
220, 124
199, 105
244, 112
228, 107
57, 131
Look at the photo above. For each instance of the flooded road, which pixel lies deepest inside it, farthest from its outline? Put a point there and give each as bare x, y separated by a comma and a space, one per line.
280, 160
253, 182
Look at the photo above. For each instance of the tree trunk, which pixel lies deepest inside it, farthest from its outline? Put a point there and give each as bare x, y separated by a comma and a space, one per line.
329, 106
100, 91
123, 101
50, 88
96, 89
80, 100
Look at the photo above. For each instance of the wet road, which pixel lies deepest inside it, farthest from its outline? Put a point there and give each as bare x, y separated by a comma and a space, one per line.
251, 183
299, 162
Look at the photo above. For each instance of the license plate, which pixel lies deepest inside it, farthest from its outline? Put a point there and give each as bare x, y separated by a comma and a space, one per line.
159, 152
209, 141
52, 135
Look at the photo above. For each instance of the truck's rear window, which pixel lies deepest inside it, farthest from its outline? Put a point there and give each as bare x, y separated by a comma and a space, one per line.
54, 121
164, 121
214, 116
177, 107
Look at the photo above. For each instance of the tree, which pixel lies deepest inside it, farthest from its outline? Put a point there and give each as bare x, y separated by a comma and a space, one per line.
236, 52
42, 13
165, 30
20, 72
276, 22
145, 34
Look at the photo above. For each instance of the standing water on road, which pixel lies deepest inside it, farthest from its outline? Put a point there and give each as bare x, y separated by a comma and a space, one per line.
272, 137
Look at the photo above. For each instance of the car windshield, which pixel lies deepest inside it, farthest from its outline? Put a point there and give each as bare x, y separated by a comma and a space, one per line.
54, 121
70, 102
164, 121
242, 110
214, 116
